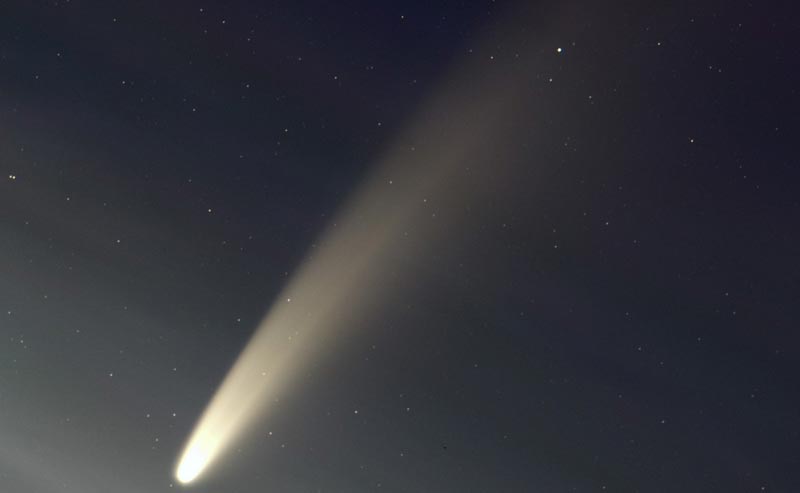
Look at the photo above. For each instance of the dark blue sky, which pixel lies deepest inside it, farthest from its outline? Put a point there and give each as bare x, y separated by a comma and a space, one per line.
616, 312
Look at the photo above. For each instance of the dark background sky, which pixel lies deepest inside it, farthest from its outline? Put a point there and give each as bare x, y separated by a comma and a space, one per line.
622, 318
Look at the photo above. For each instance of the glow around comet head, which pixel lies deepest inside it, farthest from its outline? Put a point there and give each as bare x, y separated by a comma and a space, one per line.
192, 463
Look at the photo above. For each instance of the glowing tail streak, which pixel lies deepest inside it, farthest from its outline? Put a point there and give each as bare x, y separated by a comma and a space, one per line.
451, 149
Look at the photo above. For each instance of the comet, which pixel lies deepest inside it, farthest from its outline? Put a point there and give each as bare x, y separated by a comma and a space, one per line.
446, 159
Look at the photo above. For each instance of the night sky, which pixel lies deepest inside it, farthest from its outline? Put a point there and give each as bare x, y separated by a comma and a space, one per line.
596, 289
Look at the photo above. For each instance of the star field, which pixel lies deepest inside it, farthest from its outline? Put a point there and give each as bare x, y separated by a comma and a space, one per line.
611, 307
